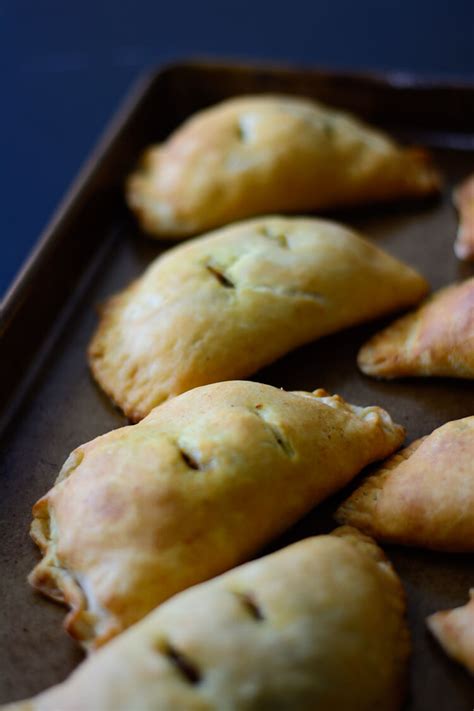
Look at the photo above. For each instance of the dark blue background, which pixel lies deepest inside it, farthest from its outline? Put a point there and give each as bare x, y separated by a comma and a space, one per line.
65, 64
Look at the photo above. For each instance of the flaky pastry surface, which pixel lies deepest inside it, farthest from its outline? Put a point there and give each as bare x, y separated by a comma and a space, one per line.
258, 154
317, 625
423, 495
454, 630
435, 340
194, 489
223, 306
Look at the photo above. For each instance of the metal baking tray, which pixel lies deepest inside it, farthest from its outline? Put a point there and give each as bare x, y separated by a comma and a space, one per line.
49, 404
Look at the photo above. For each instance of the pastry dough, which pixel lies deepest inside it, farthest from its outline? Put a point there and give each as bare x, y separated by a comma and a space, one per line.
454, 630
436, 339
194, 489
317, 625
225, 305
258, 154
464, 201
422, 496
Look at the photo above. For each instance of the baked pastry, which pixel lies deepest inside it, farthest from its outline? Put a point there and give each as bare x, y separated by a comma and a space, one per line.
317, 625
196, 488
436, 339
464, 201
225, 305
257, 154
454, 630
423, 495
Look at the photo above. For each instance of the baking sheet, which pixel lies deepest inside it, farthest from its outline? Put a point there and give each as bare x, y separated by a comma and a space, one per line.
50, 404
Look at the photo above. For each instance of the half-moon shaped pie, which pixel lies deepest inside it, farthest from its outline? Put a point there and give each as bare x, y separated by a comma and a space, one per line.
223, 306
317, 625
423, 495
454, 630
196, 488
253, 155
436, 339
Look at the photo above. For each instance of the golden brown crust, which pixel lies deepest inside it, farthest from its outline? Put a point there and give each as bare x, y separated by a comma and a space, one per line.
422, 496
194, 489
454, 630
464, 201
223, 306
258, 154
435, 340
319, 624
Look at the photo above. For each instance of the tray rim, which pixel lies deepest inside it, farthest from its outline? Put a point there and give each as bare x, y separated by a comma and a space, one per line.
106, 145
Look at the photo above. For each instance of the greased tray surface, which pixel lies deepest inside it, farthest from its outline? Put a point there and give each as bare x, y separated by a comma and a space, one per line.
49, 404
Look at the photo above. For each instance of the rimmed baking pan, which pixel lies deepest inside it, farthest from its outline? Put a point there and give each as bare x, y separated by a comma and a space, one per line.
49, 404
